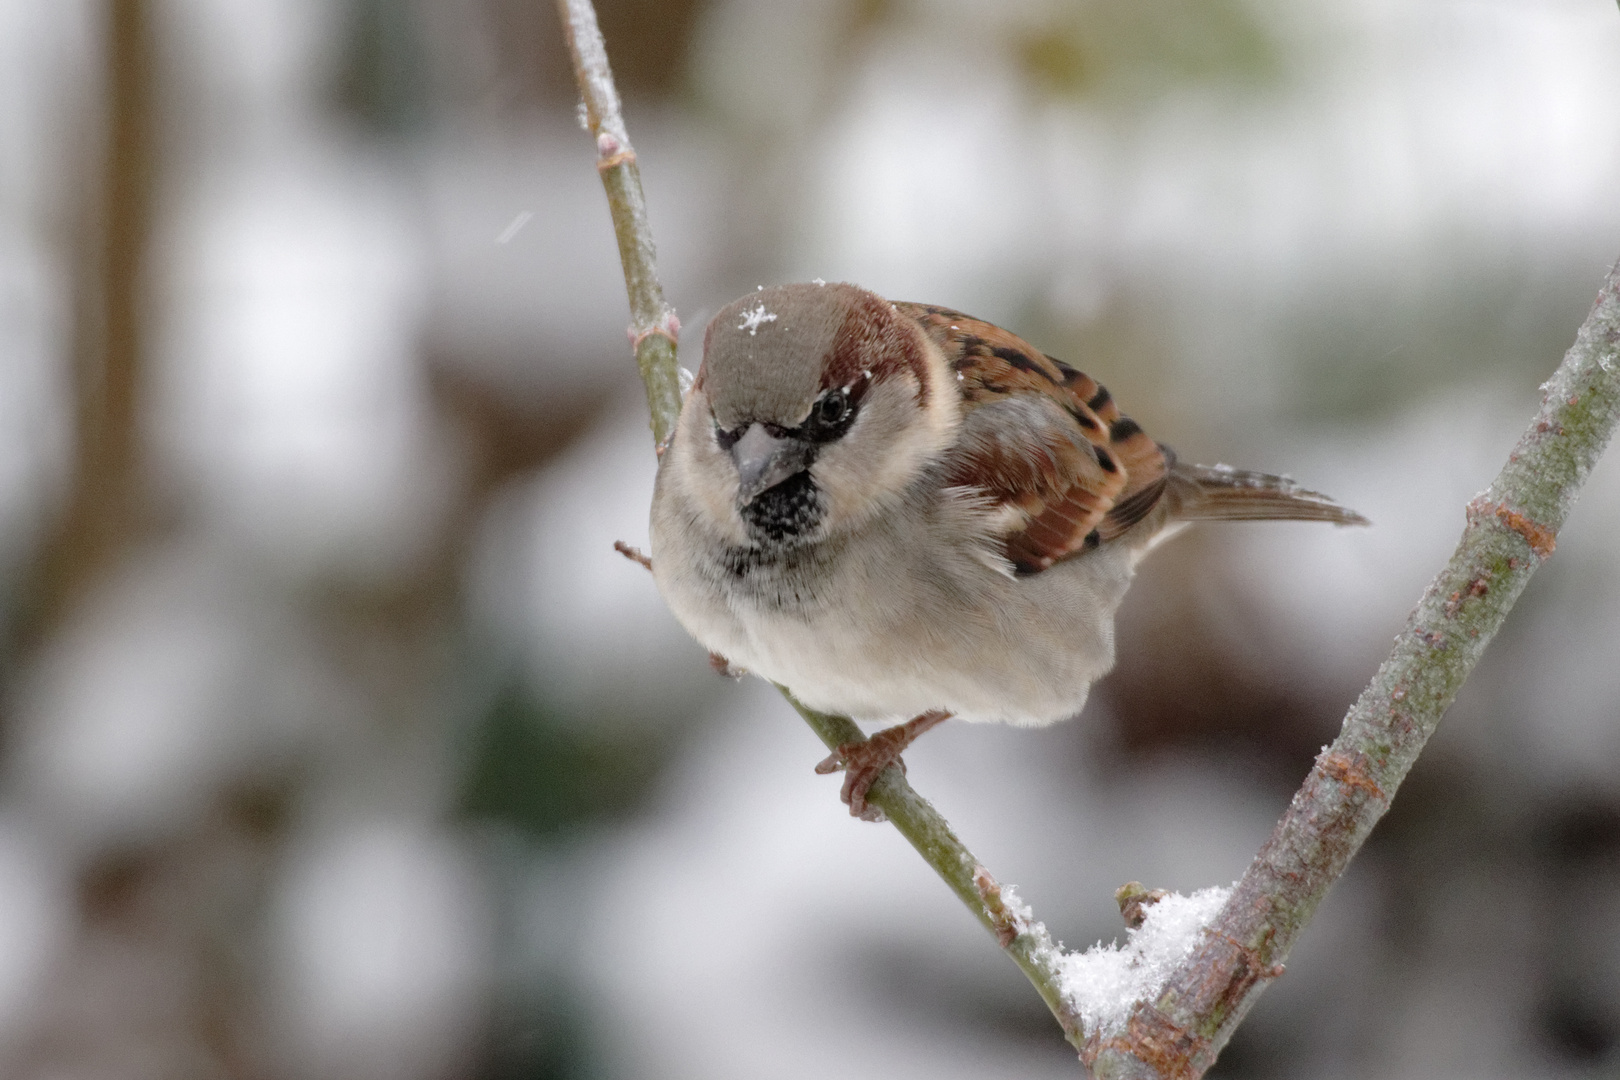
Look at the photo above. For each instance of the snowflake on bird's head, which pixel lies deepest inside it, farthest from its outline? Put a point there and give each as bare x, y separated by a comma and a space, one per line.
752, 320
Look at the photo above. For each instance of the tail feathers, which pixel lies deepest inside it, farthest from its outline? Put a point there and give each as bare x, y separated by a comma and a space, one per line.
1221, 493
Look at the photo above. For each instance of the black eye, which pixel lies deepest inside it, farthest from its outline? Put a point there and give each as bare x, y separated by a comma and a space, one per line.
832, 409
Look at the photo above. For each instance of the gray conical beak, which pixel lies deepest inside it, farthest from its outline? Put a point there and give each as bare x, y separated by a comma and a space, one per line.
765, 460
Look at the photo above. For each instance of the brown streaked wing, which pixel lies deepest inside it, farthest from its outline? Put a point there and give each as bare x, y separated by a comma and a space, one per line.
1070, 461
1026, 453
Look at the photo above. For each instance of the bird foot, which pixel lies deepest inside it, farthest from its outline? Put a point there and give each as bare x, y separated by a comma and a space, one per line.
725, 668
863, 762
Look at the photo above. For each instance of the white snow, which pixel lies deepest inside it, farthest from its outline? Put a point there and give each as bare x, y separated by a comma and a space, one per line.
1020, 916
754, 319
522, 219
1105, 981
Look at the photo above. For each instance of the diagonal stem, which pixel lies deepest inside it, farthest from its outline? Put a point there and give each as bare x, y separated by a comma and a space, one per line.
1511, 530
653, 325
652, 329
1024, 939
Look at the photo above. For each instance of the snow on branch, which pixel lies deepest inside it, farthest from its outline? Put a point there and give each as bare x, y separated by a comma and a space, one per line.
1510, 529
1105, 982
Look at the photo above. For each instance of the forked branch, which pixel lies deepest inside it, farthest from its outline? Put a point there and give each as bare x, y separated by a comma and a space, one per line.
1510, 530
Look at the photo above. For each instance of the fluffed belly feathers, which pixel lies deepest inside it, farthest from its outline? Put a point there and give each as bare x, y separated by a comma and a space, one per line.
869, 628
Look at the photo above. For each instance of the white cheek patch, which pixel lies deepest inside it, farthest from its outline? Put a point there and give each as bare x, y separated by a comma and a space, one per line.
911, 443
984, 522
703, 472
891, 441
944, 408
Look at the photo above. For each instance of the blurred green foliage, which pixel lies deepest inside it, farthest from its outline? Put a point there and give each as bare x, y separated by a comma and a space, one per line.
1134, 48
383, 79
543, 773
1380, 346
541, 1035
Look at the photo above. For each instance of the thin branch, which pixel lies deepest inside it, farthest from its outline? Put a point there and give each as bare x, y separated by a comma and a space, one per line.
652, 328
1024, 939
1511, 529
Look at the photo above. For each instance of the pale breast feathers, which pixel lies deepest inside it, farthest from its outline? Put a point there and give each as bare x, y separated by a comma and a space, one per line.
1044, 442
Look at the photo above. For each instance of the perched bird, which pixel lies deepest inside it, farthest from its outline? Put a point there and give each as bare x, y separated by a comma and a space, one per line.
902, 513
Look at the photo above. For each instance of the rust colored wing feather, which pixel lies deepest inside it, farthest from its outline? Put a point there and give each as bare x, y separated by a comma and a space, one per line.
1043, 440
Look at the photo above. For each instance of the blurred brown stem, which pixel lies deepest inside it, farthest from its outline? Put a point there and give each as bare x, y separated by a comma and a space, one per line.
104, 509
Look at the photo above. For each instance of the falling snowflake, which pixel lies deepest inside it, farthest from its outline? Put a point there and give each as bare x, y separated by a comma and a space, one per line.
753, 320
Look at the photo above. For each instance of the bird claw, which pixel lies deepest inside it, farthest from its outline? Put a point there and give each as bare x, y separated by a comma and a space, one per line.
724, 668
864, 761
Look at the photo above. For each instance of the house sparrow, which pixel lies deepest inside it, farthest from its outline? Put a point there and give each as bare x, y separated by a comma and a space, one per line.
899, 511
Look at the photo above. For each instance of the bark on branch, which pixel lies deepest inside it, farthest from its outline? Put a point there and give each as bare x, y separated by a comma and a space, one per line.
653, 326
1511, 529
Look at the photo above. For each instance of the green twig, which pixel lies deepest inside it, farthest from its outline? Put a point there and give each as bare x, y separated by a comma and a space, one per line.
1511, 529
1024, 939
653, 326
652, 323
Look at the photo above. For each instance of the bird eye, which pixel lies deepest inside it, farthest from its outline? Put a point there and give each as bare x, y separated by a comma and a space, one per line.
833, 408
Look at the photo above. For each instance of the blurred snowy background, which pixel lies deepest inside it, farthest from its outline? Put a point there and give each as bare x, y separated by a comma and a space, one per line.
335, 740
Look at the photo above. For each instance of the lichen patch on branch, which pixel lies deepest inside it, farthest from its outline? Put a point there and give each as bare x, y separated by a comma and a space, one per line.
1351, 771
1160, 1044
1542, 540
